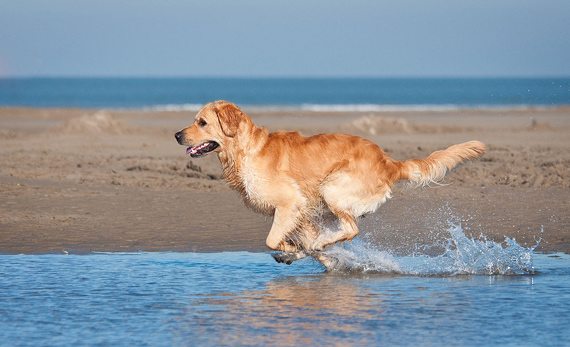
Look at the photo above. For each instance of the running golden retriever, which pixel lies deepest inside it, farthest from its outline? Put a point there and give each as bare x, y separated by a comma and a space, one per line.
305, 181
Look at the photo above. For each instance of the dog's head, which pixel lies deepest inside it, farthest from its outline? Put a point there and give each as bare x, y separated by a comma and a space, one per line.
214, 127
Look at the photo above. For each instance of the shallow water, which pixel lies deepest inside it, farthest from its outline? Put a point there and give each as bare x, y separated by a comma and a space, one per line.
241, 298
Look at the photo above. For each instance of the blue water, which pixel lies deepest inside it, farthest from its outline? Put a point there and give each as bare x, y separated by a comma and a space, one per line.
241, 298
310, 93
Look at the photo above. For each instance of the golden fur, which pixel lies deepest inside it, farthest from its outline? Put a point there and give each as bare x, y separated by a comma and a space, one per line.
300, 179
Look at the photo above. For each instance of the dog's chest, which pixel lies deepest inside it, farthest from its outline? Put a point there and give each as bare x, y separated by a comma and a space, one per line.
256, 189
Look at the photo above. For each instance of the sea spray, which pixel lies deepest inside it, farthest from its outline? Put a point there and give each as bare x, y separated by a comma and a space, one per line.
461, 256
483, 256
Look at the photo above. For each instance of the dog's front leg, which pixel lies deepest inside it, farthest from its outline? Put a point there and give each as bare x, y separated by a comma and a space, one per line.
301, 242
285, 221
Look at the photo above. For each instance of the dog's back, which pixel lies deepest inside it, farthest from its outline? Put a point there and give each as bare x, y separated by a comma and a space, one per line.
350, 170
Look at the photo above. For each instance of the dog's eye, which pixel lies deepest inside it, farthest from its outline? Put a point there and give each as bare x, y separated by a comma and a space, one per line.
202, 122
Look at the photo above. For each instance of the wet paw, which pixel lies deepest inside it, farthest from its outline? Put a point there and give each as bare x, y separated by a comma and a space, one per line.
283, 258
288, 258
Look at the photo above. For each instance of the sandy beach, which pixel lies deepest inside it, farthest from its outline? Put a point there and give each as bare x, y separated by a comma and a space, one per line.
81, 180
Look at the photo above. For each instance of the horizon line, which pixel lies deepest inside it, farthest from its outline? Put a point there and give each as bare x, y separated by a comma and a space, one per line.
269, 77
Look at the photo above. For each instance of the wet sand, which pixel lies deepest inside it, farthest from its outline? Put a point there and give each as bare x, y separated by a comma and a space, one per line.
80, 181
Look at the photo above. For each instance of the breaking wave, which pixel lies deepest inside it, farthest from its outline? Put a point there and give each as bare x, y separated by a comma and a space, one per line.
380, 108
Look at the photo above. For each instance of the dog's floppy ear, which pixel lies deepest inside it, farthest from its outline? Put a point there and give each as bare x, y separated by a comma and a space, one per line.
229, 116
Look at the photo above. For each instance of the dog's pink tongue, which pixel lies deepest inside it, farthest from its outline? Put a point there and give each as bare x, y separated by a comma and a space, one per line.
191, 150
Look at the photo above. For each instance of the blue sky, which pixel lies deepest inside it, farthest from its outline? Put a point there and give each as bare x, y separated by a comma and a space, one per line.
294, 38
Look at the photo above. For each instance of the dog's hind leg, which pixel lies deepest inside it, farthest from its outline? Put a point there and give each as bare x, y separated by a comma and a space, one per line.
347, 230
348, 225
346, 198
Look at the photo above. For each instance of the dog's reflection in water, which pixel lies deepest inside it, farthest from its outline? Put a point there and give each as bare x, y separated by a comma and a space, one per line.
290, 311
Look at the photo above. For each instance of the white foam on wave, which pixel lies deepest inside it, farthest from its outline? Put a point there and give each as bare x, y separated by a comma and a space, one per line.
344, 108
173, 108
462, 256
377, 108
415, 108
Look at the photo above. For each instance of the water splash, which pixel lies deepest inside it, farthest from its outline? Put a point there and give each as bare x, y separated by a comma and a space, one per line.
462, 256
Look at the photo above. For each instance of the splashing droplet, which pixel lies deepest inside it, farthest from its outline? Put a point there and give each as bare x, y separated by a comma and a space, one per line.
462, 256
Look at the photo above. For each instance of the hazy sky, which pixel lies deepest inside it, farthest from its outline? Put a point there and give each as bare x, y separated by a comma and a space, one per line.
258, 38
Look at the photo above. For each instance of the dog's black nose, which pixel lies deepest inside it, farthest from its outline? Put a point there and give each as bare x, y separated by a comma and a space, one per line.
178, 136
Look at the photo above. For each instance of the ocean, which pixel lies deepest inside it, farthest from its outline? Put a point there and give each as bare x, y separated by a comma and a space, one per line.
325, 94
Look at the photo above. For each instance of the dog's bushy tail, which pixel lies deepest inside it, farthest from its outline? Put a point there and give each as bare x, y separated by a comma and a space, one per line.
422, 172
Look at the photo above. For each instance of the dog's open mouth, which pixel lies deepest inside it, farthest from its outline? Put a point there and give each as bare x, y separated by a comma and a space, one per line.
202, 149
